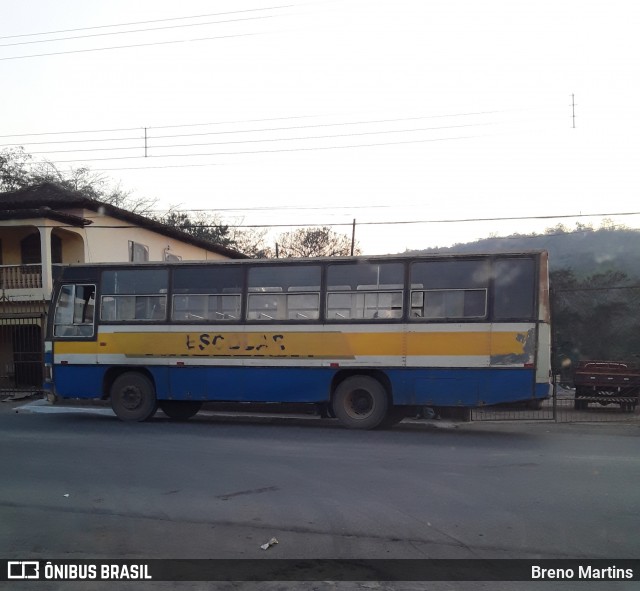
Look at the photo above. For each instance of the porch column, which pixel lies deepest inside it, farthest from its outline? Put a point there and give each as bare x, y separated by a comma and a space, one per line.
45, 255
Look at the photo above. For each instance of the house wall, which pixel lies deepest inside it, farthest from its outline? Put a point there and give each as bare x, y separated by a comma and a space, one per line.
11, 235
73, 250
107, 240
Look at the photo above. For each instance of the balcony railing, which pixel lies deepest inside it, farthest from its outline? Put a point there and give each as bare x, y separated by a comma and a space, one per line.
20, 276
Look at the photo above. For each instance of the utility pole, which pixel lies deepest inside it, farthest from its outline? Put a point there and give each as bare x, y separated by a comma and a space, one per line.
145, 142
277, 251
353, 236
573, 110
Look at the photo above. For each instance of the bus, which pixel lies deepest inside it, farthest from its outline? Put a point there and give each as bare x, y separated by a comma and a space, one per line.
366, 339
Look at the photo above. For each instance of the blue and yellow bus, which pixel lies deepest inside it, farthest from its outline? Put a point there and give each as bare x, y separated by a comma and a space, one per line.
367, 339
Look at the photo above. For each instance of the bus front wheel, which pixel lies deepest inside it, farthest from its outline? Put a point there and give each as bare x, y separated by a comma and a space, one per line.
360, 402
133, 397
180, 410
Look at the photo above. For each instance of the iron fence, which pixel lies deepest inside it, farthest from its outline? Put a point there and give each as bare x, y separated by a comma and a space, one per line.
560, 407
597, 318
22, 326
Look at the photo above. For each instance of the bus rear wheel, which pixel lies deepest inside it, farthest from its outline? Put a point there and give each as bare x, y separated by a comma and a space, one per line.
180, 410
360, 402
133, 397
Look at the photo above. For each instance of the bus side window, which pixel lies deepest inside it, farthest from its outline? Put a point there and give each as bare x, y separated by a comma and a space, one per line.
365, 291
208, 294
514, 281
279, 293
443, 290
134, 295
75, 311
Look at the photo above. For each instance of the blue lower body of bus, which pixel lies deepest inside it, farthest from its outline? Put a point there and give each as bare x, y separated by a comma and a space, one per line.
410, 386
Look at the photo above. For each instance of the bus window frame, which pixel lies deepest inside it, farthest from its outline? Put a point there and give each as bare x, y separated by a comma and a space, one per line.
164, 293
326, 292
94, 322
250, 290
485, 317
222, 321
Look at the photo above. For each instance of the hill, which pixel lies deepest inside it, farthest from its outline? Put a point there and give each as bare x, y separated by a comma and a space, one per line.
585, 251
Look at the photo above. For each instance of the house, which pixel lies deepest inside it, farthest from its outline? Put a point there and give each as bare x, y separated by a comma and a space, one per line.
45, 226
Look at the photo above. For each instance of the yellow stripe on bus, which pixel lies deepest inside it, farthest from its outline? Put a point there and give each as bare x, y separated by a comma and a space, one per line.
324, 345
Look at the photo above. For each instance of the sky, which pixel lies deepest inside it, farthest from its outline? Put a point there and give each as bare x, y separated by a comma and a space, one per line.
411, 117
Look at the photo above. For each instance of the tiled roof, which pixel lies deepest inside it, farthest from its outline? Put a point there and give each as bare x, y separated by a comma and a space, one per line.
52, 199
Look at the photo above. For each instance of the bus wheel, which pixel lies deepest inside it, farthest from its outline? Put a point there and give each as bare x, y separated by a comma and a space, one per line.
360, 402
179, 410
133, 397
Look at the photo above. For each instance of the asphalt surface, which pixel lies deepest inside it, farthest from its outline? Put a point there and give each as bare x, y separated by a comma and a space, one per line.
81, 484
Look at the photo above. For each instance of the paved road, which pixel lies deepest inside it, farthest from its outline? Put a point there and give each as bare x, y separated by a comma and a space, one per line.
84, 484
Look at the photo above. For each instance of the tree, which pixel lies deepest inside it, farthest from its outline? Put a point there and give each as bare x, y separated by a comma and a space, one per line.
200, 225
595, 317
314, 242
17, 171
14, 169
252, 242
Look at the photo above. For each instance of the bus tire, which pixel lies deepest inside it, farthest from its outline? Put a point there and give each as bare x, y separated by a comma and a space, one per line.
180, 410
360, 402
133, 397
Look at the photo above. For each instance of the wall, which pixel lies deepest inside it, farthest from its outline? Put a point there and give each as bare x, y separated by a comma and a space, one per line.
107, 240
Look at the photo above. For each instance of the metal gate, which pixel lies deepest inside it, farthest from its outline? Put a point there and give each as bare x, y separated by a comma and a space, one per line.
561, 408
22, 326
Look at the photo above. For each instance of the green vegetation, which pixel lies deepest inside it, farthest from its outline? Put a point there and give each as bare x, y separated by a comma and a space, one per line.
595, 283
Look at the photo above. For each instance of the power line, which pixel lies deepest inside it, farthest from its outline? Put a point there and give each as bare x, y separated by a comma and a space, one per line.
399, 222
139, 128
280, 150
252, 18
394, 120
147, 22
284, 208
17, 57
291, 139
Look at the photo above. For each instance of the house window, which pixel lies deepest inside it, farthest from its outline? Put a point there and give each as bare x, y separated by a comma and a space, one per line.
138, 253
30, 250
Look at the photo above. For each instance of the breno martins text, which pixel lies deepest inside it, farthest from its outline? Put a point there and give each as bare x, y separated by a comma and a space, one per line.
582, 572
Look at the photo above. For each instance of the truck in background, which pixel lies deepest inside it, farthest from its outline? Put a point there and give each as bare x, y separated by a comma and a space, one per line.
607, 382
